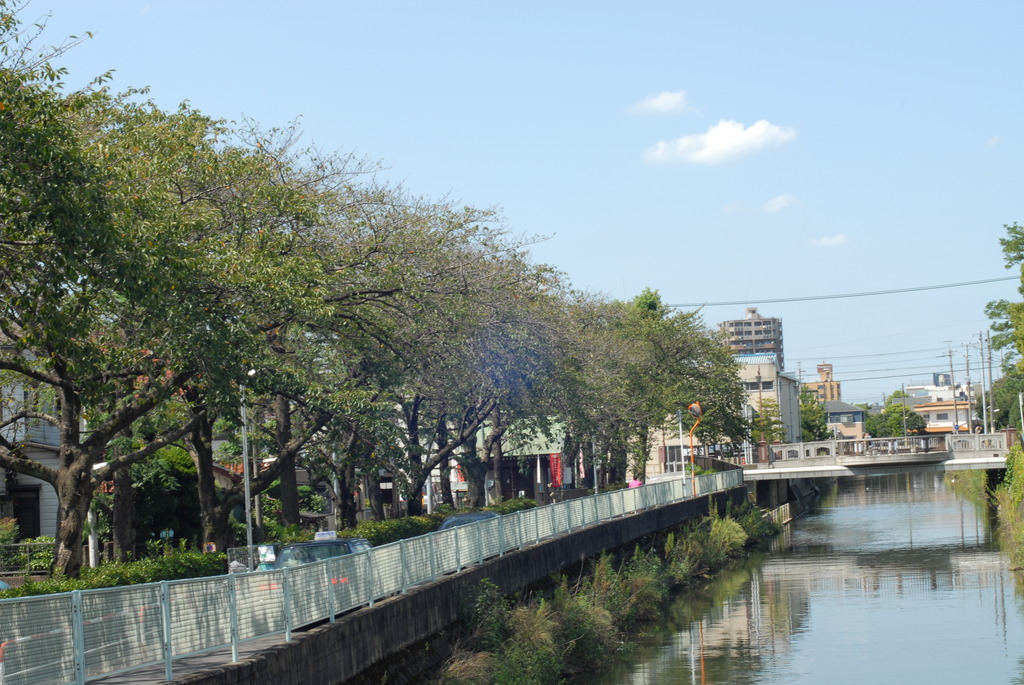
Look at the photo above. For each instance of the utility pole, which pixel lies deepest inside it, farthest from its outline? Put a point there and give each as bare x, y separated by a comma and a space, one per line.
984, 400
991, 382
903, 400
952, 384
967, 385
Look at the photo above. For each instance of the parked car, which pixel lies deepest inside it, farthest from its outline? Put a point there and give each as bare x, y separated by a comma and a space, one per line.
466, 517
297, 553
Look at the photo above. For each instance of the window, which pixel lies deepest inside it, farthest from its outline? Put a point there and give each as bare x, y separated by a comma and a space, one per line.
942, 417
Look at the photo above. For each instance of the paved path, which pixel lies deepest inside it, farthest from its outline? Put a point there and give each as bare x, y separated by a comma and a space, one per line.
191, 664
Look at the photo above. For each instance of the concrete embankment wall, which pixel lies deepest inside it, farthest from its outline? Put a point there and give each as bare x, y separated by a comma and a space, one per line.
364, 640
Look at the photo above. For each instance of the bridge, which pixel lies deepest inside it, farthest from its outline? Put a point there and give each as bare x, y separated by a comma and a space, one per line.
880, 456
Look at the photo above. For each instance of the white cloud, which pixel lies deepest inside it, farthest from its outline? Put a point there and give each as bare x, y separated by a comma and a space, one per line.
777, 204
724, 141
993, 141
830, 241
662, 103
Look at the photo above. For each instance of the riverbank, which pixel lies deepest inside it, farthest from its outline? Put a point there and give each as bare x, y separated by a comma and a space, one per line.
572, 626
1009, 502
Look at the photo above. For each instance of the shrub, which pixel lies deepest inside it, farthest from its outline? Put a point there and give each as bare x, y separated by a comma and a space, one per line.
8, 531
176, 565
587, 632
392, 530
728, 536
36, 559
486, 617
646, 590
531, 655
510, 506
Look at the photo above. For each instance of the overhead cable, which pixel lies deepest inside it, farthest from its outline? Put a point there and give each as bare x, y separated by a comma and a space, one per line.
808, 298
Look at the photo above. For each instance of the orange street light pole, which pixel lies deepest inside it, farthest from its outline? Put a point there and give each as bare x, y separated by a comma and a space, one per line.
696, 412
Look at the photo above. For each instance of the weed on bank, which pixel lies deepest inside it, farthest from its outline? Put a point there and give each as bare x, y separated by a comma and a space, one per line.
578, 625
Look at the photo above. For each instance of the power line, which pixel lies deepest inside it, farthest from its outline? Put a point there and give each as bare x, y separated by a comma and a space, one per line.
808, 298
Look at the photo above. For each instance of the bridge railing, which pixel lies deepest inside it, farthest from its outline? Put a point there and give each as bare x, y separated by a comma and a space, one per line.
834, 451
74, 637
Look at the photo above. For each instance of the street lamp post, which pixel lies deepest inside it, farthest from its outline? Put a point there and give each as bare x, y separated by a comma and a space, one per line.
679, 417
696, 412
245, 473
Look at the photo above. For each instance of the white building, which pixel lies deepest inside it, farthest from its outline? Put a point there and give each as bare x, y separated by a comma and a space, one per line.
29, 500
763, 379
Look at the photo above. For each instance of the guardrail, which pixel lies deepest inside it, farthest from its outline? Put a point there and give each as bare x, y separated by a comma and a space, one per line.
75, 637
924, 444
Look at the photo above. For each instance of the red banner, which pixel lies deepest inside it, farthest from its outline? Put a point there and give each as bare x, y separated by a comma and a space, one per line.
555, 465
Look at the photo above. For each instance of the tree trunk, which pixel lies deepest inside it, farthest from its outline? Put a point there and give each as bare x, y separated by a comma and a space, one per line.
73, 497
414, 499
493, 455
124, 519
214, 509
475, 472
289, 488
346, 497
446, 483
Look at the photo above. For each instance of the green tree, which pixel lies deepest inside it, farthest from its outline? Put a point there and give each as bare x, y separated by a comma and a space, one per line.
170, 248
895, 420
813, 422
767, 425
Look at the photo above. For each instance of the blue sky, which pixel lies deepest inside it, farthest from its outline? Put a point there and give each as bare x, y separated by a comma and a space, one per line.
715, 152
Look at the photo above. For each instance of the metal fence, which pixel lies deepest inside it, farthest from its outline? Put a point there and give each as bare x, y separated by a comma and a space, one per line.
26, 558
78, 636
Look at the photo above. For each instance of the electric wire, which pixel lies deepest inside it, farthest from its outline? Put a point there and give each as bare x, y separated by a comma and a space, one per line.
809, 298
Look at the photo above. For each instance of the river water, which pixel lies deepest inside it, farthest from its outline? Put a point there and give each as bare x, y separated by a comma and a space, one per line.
892, 579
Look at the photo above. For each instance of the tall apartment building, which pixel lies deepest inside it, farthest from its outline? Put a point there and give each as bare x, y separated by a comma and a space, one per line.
825, 387
755, 334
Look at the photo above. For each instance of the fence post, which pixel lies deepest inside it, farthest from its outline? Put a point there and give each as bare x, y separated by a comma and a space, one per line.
401, 559
78, 636
233, 612
331, 571
370, 579
522, 535
480, 541
165, 613
432, 546
286, 585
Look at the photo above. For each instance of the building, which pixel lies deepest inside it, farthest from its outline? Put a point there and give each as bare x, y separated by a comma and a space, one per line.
941, 389
947, 416
825, 388
29, 500
763, 379
845, 420
755, 334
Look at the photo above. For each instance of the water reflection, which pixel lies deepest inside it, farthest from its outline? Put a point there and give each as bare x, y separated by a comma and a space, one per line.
893, 580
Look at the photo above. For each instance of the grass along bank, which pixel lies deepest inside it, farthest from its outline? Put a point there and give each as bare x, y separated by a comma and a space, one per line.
1009, 501
575, 626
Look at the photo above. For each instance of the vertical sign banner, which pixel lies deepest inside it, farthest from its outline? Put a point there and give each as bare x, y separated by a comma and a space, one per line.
555, 467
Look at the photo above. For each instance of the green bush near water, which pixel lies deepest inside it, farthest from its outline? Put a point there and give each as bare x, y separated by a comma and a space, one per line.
575, 629
1009, 500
